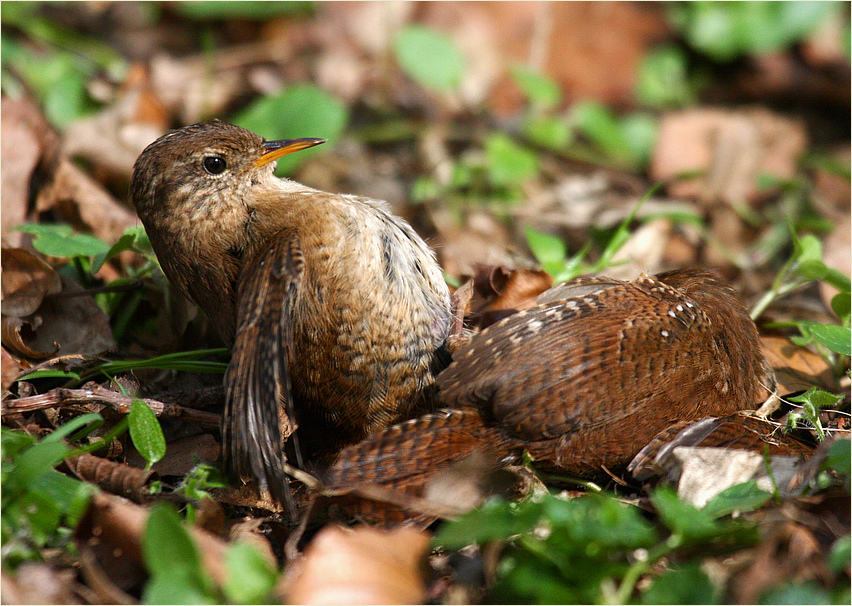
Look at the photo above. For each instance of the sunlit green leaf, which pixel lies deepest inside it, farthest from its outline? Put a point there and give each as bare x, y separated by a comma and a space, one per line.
508, 162
146, 433
429, 57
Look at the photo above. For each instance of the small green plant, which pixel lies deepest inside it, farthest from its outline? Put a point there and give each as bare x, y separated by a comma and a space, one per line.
725, 31
594, 549
177, 574
88, 254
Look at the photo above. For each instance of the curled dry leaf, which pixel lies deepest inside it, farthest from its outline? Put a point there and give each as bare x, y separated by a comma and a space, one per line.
360, 566
499, 291
26, 279
11, 368
117, 478
70, 323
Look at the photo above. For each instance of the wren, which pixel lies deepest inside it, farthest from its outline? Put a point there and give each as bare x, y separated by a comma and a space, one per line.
582, 381
336, 311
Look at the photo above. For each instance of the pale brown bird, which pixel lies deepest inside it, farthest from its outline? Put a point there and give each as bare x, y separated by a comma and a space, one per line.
582, 381
336, 311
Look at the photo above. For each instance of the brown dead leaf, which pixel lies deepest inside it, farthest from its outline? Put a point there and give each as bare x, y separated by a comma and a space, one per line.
26, 279
359, 566
70, 324
499, 288
113, 138
39, 583
796, 368
181, 455
117, 478
731, 148
78, 199
837, 254
11, 368
27, 140
118, 524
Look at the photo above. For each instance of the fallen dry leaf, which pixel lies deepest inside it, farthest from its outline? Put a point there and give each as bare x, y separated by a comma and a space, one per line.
68, 322
731, 148
26, 279
360, 566
796, 368
27, 140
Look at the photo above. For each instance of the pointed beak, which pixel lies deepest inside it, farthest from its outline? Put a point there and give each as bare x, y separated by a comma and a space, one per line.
276, 149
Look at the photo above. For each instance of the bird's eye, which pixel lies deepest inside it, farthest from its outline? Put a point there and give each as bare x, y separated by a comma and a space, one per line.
214, 165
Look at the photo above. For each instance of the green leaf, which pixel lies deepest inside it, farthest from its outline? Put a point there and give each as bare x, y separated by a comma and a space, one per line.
508, 162
550, 251
741, 497
837, 338
34, 462
841, 550
225, 9
807, 592
841, 304
685, 585
70, 496
146, 433
682, 518
495, 520
663, 79
838, 458
429, 57
49, 374
57, 240
172, 560
640, 133
807, 248
549, 132
250, 578
301, 110
600, 126
538, 88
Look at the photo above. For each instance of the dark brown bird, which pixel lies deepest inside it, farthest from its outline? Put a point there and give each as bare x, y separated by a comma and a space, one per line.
336, 310
581, 381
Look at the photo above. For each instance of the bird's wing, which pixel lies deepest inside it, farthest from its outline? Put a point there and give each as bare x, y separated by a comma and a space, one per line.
259, 405
577, 362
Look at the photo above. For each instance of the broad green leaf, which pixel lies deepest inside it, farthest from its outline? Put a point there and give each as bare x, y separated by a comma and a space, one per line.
57, 240
836, 338
685, 585
538, 88
550, 251
742, 498
301, 110
797, 593
682, 518
841, 550
663, 79
34, 462
550, 132
601, 127
146, 433
841, 304
508, 162
250, 578
838, 458
172, 560
429, 57
70, 496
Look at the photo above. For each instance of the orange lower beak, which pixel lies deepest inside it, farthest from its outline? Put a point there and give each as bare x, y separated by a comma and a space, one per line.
276, 149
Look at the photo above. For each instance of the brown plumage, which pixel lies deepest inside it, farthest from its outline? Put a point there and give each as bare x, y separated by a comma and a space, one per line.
581, 381
336, 310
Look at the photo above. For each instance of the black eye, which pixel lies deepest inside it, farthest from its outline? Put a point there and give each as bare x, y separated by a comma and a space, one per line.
214, 165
